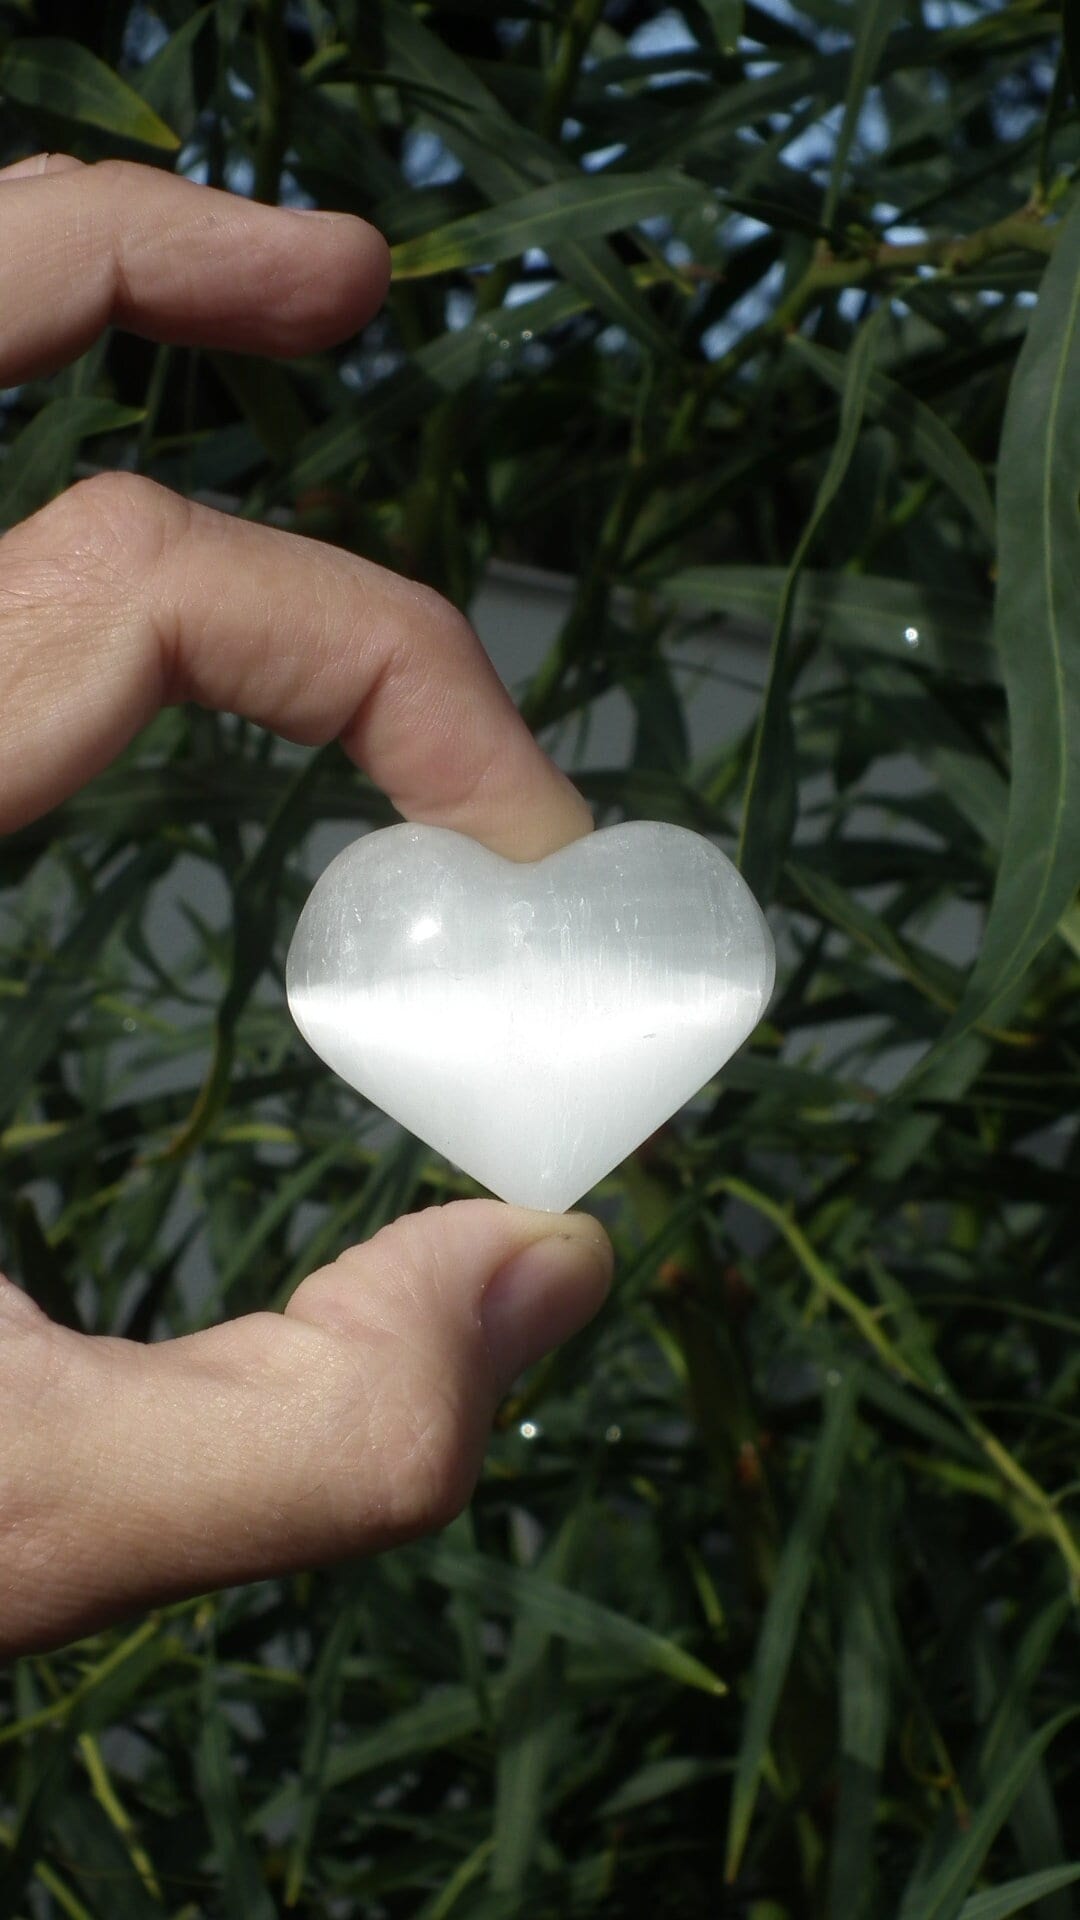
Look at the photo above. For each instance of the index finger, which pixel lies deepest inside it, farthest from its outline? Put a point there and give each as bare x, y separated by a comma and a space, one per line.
121, 597
85, 246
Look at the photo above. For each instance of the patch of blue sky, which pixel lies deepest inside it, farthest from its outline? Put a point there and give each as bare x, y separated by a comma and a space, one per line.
511, 33
739, 229
240, 174
1015, 118
666, 33
292, 193
520, 292
238, 87
192, 163
899, 235
745, 313
601, 157
426, 161
825, 39
460, 308
887, 220
957, 13
852, 303
366, 369
144, 36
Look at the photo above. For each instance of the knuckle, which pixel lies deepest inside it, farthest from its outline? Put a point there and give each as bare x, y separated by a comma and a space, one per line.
122, 521
403, 1390
440, 618
97, 538
123, 173
431, 1456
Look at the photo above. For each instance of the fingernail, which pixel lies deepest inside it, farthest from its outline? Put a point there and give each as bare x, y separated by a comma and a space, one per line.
26, 169
544, 1294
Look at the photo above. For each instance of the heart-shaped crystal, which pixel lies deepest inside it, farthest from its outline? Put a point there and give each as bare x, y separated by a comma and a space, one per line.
533, 1022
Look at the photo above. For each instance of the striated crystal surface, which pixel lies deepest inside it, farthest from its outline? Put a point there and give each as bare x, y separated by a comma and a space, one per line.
533, 1022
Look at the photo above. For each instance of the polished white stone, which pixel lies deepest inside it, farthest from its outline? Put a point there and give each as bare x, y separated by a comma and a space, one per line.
533, 1022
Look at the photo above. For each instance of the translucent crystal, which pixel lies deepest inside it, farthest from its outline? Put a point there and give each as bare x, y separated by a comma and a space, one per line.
532, 1022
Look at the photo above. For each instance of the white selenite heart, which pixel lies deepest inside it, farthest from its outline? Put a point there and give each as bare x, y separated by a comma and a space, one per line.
533, 1022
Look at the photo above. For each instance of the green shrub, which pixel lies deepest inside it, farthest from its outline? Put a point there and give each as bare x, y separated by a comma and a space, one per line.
772, 1575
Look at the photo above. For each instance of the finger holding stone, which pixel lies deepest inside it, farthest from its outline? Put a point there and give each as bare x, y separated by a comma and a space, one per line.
121, 597
132, 1475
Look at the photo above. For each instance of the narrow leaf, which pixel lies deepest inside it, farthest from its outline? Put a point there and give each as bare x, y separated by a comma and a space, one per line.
67, 79
244, 1889
940, 1896
568, 1615
503, 158
998, 1903
1035, 624
38, 462
326, 1687
937, 627
918, 426
776, 1640
873, 21
727, 17
571, 209
769, 804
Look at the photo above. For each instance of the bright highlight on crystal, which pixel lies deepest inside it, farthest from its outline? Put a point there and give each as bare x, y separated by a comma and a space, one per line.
532, 1022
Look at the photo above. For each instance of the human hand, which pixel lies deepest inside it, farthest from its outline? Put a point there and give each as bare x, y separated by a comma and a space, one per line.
129, 1474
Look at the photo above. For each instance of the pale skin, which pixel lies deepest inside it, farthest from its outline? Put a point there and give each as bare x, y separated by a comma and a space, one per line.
133, 1475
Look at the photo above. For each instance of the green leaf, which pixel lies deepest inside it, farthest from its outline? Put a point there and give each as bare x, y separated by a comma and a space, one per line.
1035, 625
926, 972
937, 627
441, 366
570, 209
38, 463
776, 1639
244, 1889
864, 1688
64, 982
442, 1718
939, 1894
167, 82
1070, 45
67, 79
560, 1611
503, 158
769, 803
998, 1903
532, 1721
40, 1268
658, 1780
918, 427
728, 19
267, 397
324, 1696
873, 20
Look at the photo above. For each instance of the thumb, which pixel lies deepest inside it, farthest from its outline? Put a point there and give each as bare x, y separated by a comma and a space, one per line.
131, 1475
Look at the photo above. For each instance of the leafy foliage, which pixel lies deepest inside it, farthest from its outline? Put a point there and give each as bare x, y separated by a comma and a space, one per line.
766, 1604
